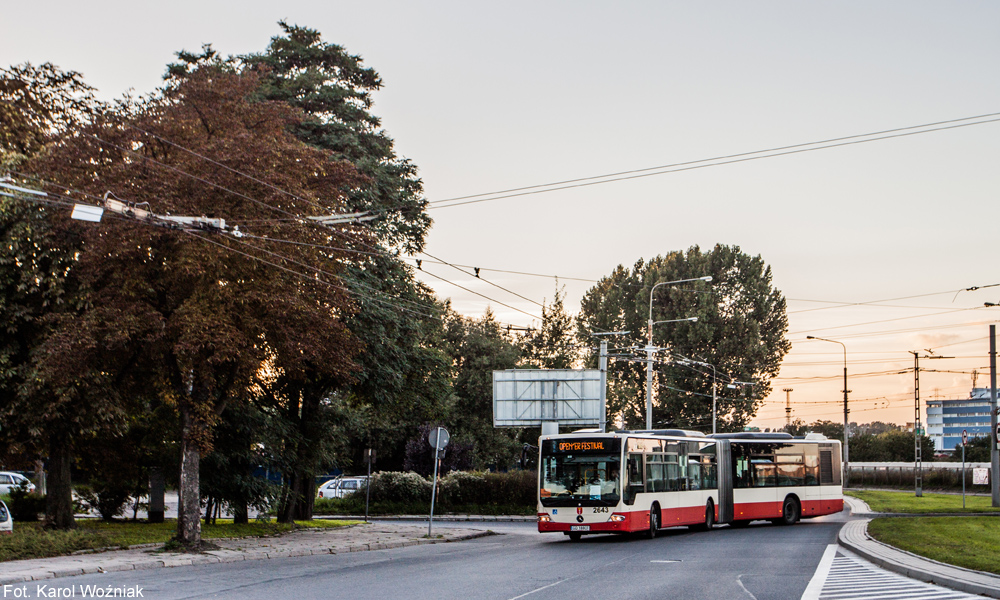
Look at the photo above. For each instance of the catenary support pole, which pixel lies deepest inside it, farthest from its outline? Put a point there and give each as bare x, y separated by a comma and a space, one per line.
994, 454
604, 385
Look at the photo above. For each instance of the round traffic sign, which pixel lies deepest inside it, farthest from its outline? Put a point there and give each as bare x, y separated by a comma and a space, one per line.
438, 438
965, 437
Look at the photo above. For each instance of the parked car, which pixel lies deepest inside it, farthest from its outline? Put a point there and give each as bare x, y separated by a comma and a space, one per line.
11, 481
340, 487
6, 520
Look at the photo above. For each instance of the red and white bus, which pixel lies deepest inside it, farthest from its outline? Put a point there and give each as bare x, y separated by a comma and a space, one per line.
630, 481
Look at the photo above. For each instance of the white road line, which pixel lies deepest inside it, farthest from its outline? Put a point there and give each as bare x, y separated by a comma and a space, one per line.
822, 571
740, 581
544, 587
848, 577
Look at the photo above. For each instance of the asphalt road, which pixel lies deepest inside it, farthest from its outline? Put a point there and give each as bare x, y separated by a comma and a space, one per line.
762, 562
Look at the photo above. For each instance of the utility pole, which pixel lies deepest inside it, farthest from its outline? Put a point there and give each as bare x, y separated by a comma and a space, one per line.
788, 408
918, 465
603, 365
994, 453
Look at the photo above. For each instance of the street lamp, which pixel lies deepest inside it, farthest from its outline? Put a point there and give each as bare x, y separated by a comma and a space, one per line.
846, 434
650, 348
714, 394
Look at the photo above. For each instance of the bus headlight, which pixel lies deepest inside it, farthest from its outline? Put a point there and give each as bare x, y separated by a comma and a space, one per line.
617, 518
544, 518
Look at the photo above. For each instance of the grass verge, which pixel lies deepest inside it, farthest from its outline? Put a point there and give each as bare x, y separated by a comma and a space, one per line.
970, 542
29, 540
906, 502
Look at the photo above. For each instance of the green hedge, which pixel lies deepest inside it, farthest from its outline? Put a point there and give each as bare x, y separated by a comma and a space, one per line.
467, 492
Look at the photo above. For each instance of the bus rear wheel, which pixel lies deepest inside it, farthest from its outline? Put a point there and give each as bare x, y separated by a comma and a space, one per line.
790, 512
654, 520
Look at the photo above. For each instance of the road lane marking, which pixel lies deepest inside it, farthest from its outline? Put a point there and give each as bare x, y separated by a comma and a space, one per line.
822, 572
664, 561
739, 580
544, 587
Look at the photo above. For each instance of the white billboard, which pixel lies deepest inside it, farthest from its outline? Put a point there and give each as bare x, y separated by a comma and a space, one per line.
529, 397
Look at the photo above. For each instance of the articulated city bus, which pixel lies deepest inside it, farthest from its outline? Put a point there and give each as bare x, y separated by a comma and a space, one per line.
630, 481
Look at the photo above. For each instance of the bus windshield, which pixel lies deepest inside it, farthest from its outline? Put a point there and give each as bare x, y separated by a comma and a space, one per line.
584, 473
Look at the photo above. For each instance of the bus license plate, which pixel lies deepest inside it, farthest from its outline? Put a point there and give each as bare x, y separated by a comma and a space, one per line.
579, 527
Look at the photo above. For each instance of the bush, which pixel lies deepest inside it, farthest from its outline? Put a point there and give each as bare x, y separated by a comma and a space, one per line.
106, 500
392, 486
24, 506
459, 491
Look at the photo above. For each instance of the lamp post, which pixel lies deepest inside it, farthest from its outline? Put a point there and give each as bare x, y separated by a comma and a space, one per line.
715, 397
649, 344
846, 434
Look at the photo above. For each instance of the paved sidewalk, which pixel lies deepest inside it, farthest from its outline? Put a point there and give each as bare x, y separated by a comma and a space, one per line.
450, 518
305, 542
854, 536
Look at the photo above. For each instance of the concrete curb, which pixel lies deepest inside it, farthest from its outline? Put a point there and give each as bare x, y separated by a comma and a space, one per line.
854, 536
131, 560
449, 518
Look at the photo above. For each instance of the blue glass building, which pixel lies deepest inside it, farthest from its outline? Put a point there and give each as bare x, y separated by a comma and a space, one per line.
947, 418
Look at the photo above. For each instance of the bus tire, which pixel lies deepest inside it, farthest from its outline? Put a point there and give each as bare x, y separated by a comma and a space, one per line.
654, 520
574, 536
790, 512
709, 518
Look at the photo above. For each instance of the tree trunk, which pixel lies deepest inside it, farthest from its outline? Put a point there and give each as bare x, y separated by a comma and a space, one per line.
189, 500
241, 514
157, 487
59, 500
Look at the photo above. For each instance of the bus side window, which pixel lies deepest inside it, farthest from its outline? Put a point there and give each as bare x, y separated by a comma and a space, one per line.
634, 483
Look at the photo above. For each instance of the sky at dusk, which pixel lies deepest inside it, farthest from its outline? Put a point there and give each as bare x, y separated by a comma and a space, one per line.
871, 243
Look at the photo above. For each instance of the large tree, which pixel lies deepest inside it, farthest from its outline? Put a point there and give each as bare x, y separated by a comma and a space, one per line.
404, 371
206, 312
38, 105
740, 331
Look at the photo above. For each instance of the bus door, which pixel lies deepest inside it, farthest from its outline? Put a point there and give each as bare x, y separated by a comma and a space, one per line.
725, 464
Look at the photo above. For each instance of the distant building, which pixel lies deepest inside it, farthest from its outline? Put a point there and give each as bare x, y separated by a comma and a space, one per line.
947, 418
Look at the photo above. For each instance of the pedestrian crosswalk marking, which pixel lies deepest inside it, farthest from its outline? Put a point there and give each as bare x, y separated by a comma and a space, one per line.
843, 577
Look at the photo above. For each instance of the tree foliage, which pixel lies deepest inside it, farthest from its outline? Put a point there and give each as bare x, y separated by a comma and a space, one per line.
204, 314
740, 330
553, 345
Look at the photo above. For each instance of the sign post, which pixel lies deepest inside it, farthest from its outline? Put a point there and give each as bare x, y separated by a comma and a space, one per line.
369, 458
965, 440
438, 439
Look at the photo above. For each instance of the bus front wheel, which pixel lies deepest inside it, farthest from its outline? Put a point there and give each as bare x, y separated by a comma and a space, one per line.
654, 520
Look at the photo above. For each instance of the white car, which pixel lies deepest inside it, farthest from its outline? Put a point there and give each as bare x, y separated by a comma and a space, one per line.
11, 481
6, 521
340, 487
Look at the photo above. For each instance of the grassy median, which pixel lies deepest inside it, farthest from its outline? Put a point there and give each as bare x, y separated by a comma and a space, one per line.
970, 542
907, 502
29, 540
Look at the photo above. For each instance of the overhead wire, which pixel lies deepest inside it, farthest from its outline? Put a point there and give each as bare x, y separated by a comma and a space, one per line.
712, 162
531, 187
